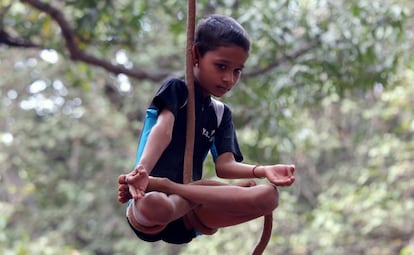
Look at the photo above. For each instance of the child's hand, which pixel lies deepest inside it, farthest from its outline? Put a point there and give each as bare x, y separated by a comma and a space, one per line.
280, 175
132, 185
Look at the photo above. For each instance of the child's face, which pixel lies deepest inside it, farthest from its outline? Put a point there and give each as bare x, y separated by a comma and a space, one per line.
220, 69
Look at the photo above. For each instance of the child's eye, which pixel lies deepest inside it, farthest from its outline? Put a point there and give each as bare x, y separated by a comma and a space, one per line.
221, 66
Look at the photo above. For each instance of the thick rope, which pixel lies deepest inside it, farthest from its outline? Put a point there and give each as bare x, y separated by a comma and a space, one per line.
189, 80
266, 234
189, 146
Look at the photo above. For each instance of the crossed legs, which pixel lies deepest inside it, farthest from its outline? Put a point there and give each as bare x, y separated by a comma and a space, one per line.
215, 204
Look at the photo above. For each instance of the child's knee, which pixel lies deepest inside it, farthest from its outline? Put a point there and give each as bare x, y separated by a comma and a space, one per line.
268, 200
156, 207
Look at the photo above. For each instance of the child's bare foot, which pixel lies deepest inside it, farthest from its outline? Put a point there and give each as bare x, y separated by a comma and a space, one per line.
249, 183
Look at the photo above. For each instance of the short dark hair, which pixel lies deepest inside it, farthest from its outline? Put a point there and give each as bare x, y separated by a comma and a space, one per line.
217, 31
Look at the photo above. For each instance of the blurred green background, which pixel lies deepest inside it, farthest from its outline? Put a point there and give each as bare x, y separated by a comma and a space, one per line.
328, 87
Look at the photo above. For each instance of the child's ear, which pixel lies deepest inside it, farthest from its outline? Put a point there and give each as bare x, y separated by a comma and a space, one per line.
194, 53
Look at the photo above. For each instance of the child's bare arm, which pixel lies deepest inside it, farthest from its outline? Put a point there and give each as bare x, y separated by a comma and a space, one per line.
280, 175
158, 140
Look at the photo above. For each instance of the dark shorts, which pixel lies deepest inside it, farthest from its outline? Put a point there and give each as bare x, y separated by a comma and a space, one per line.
176, 233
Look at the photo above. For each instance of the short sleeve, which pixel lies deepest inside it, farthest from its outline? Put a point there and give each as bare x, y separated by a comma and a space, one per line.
172, 95
225, 139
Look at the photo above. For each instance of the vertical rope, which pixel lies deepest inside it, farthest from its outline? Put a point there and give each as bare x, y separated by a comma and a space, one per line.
189, 79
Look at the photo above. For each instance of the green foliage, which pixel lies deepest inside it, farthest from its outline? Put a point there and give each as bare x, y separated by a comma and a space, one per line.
341, 111
368, 200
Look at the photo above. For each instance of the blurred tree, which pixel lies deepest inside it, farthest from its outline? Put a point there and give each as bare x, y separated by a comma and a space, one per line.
324, 88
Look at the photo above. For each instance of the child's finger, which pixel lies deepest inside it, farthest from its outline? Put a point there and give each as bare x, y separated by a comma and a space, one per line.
292, 169
122, 199
124, 196
133, 192
286, 181
122, 179
123, 188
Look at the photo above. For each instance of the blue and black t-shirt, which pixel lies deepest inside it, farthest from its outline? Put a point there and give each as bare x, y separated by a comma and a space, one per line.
209, 134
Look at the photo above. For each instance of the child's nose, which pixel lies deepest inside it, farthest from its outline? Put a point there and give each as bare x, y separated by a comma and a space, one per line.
228, 78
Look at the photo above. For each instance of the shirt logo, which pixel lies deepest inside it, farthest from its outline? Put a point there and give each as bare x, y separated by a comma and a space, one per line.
209, 135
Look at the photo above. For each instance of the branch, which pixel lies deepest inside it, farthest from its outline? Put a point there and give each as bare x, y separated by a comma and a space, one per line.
78, 55
6, 38
292, 55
